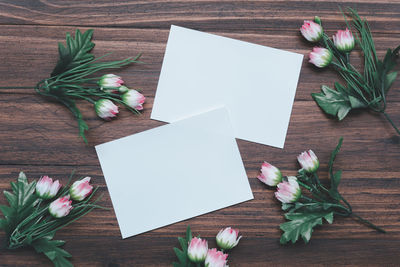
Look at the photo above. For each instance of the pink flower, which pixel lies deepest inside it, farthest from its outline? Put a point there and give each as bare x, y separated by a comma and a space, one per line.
289, 191
133, 99
81, 189
110, 81
311, 31
344, 40
320, 57
105, 109
197, 250
308, 161
270, 175
216, 258
228, 238
60, 207
46, 188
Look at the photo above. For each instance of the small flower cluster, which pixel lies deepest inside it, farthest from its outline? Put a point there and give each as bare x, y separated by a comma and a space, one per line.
321, 57
199, 253
306, 200
288, 190
113, 84
47, 189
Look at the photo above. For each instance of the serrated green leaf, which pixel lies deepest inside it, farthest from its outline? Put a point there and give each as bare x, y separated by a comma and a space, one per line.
183, 243
21, 203
182, 257
77, 52
333, 102
301, 225
52, 250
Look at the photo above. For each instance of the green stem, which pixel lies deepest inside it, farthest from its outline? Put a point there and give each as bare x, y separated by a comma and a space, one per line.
391, 122
368, 223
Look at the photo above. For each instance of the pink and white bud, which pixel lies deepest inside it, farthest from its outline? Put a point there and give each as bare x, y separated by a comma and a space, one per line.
311, 31
60, 207
270, 175
197, 250
320, 57
133, 99
308, 161
80, 189
46, 188
344, 40
228, 238
288, 191
110, 81
105, 109
216, 258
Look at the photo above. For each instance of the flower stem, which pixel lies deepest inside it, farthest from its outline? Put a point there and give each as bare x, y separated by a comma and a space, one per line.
368, 223
391, 122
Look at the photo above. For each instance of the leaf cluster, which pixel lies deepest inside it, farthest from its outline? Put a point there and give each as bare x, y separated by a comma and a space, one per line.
182, 254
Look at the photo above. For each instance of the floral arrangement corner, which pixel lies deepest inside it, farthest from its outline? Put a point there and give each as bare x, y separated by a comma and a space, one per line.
306, 200
37, 210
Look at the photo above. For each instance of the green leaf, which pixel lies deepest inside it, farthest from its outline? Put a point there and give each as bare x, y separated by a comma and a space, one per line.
356, 103
51, 248
77, 52
334, 181
181, 254
21, 200
301, 225
333, 102
188, 234
390, 78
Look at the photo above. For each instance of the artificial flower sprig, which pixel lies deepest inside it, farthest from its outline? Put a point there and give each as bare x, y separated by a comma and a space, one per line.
306, 200
72, 79
367, 89
195, 251
38, 209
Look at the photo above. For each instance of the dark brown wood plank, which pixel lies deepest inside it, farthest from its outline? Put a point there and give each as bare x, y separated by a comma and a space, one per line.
235, 16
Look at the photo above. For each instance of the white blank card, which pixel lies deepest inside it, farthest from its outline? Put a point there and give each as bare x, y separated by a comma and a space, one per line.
257, 84
174, 172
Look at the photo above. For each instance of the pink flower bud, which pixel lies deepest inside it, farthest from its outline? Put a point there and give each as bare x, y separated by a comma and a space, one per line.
289, 191
81, 189
228, 238
344, 40
270, 175
308, 161
197, 250
46, 188
216, 258
110, 81
320, 57
105, 109
133, 99
60, 207
311, 31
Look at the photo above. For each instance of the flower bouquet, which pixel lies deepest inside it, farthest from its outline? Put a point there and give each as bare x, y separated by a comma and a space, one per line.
72, 79
195, 250
362, 90
305, 199
38, 209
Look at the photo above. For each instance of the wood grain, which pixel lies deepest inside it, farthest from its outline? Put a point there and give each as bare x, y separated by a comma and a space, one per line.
40, 136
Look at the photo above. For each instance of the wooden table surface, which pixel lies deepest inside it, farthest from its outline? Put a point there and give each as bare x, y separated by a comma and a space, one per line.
40, 137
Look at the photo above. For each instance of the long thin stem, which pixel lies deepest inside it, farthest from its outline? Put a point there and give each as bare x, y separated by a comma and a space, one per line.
369, 223
391, 122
